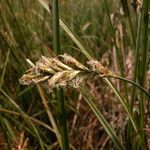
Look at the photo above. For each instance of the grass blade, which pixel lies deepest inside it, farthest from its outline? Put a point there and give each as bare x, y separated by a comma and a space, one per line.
144, 56
101, 119
59, 91
4, 70
123, 103
69, 32
44, 101
12, 102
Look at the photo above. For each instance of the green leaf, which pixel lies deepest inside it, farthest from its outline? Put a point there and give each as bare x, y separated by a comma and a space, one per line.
88, 98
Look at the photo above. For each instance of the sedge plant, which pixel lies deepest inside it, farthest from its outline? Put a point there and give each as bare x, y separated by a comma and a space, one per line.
92, 28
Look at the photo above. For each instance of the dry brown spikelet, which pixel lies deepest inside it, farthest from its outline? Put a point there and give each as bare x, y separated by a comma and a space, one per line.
100, 69
62, 71
69, 60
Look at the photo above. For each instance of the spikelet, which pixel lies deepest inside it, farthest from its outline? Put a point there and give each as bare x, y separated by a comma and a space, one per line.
32, 76
67, 59
48, 63
100, 69
62, 78
27, 78
62, 71
77, 82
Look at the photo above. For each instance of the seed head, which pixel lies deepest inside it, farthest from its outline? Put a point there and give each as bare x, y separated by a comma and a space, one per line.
62, 71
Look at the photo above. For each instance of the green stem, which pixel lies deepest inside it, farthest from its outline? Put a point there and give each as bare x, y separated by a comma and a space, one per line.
21, 112
136, 71
129, 21
59, 92
136, 62
4, 70
144, 65
17, 24
88, 98
119, 57
135, 85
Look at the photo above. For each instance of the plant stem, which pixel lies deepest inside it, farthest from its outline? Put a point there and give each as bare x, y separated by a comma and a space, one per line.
88, 98
136, 62
119, 57
59, 92
129, 21
135, 85
144, 53
17, 24
136, 71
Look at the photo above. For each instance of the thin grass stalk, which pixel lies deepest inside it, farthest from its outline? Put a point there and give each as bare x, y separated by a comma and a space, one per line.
145, 42
136, 60
10, 129
119, 56
135, 74
123, 104
59, 91
17, 23
4, 70
9, 135
23, 126
2, 110
118, 52
44, 101
100, 117
37, 135
69, 32
7, 25
12, 49
44, 23
25, 90
4, 129
24, 6
20, 124
33, 120
135, 85
144, 57
30, 124
129, 21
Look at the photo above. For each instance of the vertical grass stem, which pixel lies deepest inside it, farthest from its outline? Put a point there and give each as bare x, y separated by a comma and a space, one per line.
59, 92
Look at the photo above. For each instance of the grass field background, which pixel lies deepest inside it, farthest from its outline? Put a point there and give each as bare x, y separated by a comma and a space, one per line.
104, 112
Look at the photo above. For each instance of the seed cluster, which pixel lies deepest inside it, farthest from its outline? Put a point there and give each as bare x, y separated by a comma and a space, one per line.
62, 71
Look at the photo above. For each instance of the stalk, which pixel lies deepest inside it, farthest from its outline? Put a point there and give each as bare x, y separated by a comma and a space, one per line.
118, 52
4, 70
135, 73
88, 98
17, 23
129, 21
22, 114
135, 85
59, 91
144, 65
136, 62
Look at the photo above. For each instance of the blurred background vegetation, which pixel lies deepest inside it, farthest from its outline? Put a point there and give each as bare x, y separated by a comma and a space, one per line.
26, 32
